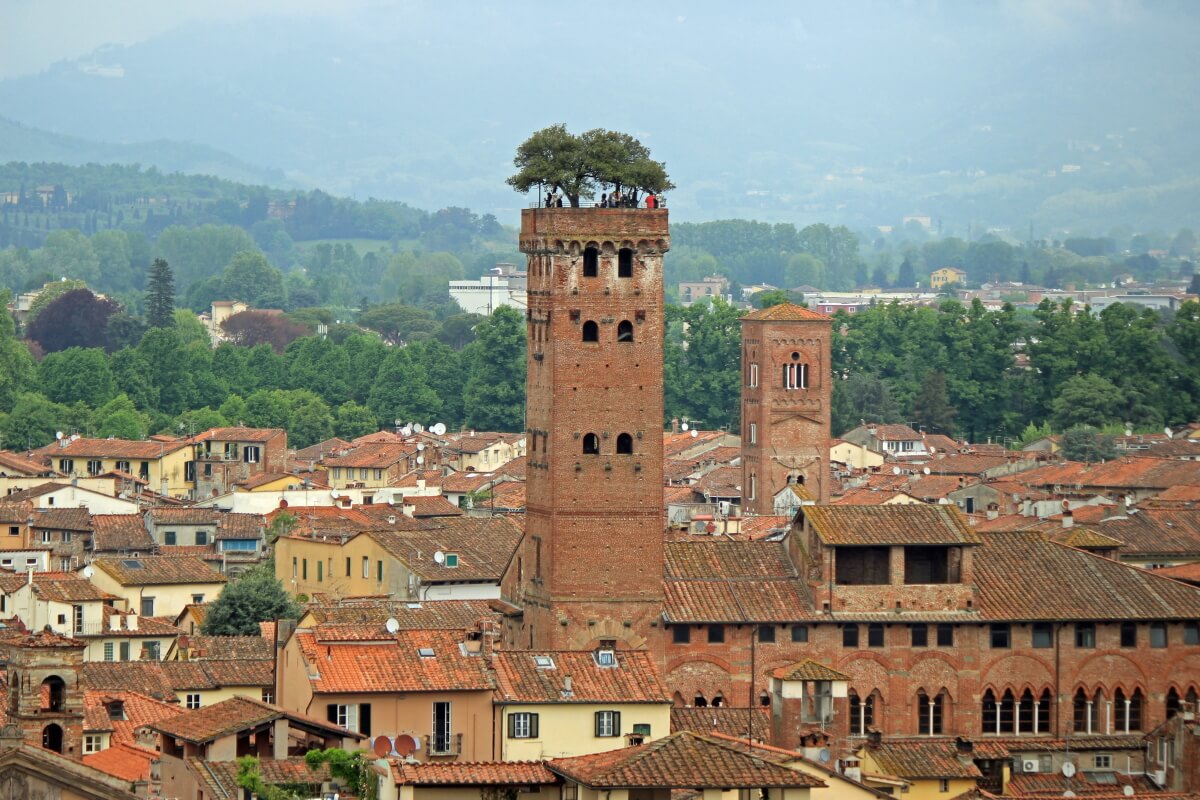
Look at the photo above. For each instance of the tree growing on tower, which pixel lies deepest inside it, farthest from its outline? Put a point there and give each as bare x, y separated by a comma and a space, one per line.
160, 295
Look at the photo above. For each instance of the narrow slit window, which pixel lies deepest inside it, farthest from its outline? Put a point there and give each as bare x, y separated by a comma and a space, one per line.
591, 262
625, 263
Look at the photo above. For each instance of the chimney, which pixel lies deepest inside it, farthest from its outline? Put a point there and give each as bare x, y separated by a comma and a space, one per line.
874, 738
1068, 519
567, 690
674, 424
964, 746
131, 621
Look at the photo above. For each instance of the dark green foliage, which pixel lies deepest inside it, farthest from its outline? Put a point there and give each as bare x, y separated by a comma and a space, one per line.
1086, 443
32, 422
255, 596
77, 375
931, 407
494, 394
702, 364
160, 295
75, 319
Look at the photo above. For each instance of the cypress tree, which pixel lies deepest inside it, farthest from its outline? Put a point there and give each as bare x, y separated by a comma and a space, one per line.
160, 295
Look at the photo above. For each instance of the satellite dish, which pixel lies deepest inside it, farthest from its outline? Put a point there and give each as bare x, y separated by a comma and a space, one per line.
1129, 432
420, 446
417, 427
1068, 769
335, 494
438, 429
1127, 791
406, 431
58, 435
439, 557
695, 433
925, 470
1068, 793
684, 427
406, 745
420, 459
382, 746
399, 422
895, 470
392, 625
88, 572
823, 756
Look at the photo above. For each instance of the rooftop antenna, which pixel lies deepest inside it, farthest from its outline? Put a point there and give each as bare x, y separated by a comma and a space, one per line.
695, 433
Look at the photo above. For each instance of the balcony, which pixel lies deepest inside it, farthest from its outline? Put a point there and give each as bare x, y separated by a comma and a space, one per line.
440, 746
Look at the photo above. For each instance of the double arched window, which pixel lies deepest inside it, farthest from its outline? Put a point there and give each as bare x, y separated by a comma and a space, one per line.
591, 444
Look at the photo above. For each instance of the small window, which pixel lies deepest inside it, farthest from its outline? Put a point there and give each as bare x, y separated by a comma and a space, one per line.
799, 633
591, 262
606, 657
752, 380
109, 654
197, 599
147, 607
591, 331
591, 444
379, 571
1001, 636
1191, 633
920, 635
624, 444
624, 263
716, 634
1158, 634
193, 701
522, 725
1085, 635
608, 724
201, 537
1102, 761
681, 634
875, 634
451, 560
795, 376
1043, 634
943, 785
425, 652
366, 568
169, 538
1129, 635
766, 633
320, 571
945, 634
625, 331
849, 636
543, 662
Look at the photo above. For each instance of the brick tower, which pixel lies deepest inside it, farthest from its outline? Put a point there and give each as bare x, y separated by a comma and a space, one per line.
45, 699
590, 566
786, 389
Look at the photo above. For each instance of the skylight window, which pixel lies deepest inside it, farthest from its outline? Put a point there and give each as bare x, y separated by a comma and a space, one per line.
131, 563
543, 662
425, 652
451, 559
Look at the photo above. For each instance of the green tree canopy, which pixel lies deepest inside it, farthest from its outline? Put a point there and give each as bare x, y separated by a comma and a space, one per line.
255, 596
1086, 443
160, 295
494, 394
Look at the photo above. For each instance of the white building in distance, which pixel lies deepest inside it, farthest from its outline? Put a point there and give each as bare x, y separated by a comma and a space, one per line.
504, 285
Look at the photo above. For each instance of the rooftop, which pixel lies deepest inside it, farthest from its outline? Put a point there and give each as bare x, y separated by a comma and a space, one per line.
159, 570
785, 312
540, 677
394, 665
890, 525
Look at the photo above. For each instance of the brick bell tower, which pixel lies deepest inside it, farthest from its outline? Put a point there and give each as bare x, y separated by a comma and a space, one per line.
786, 394
590, 566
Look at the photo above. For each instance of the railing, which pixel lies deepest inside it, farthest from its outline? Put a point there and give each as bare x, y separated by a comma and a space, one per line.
444, 746
660, 205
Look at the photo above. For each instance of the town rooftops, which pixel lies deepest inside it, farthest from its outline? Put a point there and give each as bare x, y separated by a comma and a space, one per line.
240, 434
410, 661
717, 720
483, 546
1161, 532
890, 433
542, 677
133, 450
1120, 473
808, 670
120, 532
226, 647
17, 464
234, 715
890, 525
368, 456
220, 778
785, 312
468, 773
159, 570
933, 758
125, 761
61, 519
681, 760
183, 515
373, 613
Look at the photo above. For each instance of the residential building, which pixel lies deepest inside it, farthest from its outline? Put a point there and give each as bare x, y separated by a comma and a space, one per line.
483, 452
157, 585
929, 768
854, 456
711, 287
896, 441
225, 457
947, 275
372, 466
504, 285
52, 495
165, 465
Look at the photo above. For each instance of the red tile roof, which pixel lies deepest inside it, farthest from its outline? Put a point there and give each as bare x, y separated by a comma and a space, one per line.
729, 720
683, 760
342, 667
1120, 473
786, 312
1158, 532
509, 495
117, 532
808, 670
123, 761
890, 525
219, 778
966, 464
139, 710
200, 648
112, 448
864, 496
435, 506
18, 464
721, 482
467, 773
707, 560
933, 487
61, 519
931, 758
159, 570
240, 434
231, 716
371, 614
634, 678
368, 456
484, 546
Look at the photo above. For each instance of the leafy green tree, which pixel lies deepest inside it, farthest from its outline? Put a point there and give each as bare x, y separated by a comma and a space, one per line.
130, 372
235, 410
494, 394
396, 322
255, 596
267, 408
458, 330
309, 421
68, 254
447, 376
702, 369
32, 421
906, 276
160, 295
124, 424
769, 297
114, 253
165, 359
198, 420
353, 420
1033, 432
1086, 443
17, 370
77, 375
1087, 400
932, 408
249, 277
402, 391
199, 253
861, 398
122, 331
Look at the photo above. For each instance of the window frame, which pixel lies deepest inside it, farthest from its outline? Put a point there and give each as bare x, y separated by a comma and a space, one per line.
192, 701
523, 725
918, 635
608, 724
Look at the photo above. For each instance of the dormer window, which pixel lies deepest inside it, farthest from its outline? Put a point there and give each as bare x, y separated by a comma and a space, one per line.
425, 652
606, 658
543, 662
451, 560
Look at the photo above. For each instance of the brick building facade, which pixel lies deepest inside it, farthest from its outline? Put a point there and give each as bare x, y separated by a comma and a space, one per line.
589, 568
786, 395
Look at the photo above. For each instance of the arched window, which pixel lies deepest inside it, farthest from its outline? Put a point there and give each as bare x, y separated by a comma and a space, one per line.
591, 331
1173, 703
624, 444
625, 263
625, 331
862, 714
54, 692
700, 701
1026, 709
1008, 712
1128, 710
52, 738
930, 713
1086, 710
1042, 717
591, 262
990, 712
591, 444
764, 699
718, 700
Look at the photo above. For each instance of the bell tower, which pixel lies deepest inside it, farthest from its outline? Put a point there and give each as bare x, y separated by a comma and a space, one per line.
786, 395
590, 566
45, 699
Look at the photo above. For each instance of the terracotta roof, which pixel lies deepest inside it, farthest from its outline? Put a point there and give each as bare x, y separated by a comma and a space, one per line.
634, 679
932, 487
378, 456
230, 716
932, 758
1178, 494
786, 312
17, 464
1024, 576
463, 482
890, 525
752, 561
1182, 572
517, 467
966, 464
348, 667
233, 525
676, 443
808, 670
173, 515
723, 720
1120, 473
240, 434
434, 506
65, 588
146, 626
890, 433
681, 760
370, 615
1050, 744
678, 494
377, 437
432, 477
468, 773
941, 443
721, 482
1083, 784
35, 492
863, 496
477, 443
112, 448
61, 519
314, 452
202, 648
698, 601
484, 546
162, 679
143, 677
1085, 539
1156, 531
17, 512
219, 778
509, 495
232, 672
123, 761
765, 525
158, 570
116, 532
139, 710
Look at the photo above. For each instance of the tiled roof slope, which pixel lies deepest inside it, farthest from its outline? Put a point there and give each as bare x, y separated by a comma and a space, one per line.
727, 560
123, 761
159, 570
371, 456
634, 679
698, 601
120, 532
484, 546
112, 448
61, 519
240, 434
728, 720
429, 615
786, 312
809, 670
937, 758
219, 778
173, 515
228, 647
139, 710
681, 760
471, 773
1156, 531
1120, 473
890, 525
228, 716
1024, 576
341, 667
66, 587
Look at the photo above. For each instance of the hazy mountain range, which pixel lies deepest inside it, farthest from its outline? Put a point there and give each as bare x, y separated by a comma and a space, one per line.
1078, 116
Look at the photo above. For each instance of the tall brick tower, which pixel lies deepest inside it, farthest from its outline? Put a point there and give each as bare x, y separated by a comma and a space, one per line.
45, 699
786, 392
590, 567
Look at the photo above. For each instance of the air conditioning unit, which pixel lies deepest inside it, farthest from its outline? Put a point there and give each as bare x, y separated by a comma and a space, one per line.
1029, 765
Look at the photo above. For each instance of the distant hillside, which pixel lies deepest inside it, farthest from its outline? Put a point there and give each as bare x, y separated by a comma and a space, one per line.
32, 145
